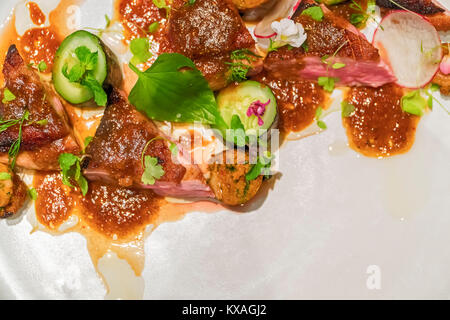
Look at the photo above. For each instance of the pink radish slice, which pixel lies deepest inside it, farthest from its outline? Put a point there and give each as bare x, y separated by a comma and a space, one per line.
411, 45
283, 9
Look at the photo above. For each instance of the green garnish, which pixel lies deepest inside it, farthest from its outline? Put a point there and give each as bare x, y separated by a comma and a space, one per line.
173, 148
338, 65
140, 48
414, 103
42, 66
191, 2
8, 96
153, 27
347, 109
238, 131
15, 147
33, 194
87, 140
174, 90
360, 18
262, 167
71, 171
320, 123
82, 72
108, 21
5, 176
239, 69
327, 83
316, 13
152, 170
162, 4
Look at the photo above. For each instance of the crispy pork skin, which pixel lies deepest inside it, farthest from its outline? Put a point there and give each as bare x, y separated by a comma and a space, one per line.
115, 153
13, 193
46, 134
337, 39
207, 32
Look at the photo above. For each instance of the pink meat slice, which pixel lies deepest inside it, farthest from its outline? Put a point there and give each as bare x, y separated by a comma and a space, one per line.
115, 154
333, 40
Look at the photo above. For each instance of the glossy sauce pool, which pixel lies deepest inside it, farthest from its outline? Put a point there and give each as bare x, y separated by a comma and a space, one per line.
379, 127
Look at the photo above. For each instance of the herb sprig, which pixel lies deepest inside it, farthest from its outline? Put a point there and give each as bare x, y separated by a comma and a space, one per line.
71, 172
83, 73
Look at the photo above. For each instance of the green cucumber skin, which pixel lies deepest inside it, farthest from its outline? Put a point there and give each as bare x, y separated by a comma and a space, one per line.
74, 92
236, 99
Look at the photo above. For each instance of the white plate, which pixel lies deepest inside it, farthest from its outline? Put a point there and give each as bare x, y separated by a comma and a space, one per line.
335, 223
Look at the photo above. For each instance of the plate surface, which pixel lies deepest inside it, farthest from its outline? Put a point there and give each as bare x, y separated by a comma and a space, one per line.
336, 225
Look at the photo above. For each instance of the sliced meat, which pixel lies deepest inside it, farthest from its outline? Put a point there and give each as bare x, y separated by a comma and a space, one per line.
13, 193
114, 155
337, 39
419, 6
207, 32
438, 15
46, 134
227, 178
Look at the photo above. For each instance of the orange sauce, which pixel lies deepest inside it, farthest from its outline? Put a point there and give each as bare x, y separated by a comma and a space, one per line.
297, 102
39, 45
36, 14
379, 127
111, 218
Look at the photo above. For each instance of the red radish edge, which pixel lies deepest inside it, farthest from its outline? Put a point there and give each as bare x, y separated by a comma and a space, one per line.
388, 62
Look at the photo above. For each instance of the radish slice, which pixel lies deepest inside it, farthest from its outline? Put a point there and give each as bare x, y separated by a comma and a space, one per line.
283, 9
412, 47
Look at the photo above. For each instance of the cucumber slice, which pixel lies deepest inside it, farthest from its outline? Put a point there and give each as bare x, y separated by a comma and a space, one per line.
71, 91
236, 99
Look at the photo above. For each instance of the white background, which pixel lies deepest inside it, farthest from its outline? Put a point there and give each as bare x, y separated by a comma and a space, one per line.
330, 216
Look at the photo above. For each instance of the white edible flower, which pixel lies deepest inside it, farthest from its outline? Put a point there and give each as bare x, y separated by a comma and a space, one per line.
288, 32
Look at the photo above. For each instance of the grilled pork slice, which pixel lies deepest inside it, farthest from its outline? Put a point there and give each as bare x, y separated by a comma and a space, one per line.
45, 134
207, 32
115, 154
13, 193
332, 40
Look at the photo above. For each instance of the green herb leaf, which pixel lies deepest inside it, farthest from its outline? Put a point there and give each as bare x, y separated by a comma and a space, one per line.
315, 13
414, 103
13, 151
42, 66
33, 194
152, 171
238, 131
108, 21
435, 87
82, 73
5, 176
338, 65
100, 96
8, 96
71, 170
172, 89
153, 27
140, 48
87, 140
173, 148
347, 109
327, 83
262, 166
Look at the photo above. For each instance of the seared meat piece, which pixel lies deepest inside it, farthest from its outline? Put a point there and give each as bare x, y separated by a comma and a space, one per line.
438, 15
114, 155
46, 134
419, 6
13, 193
227, 179
336, 38
207, 32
